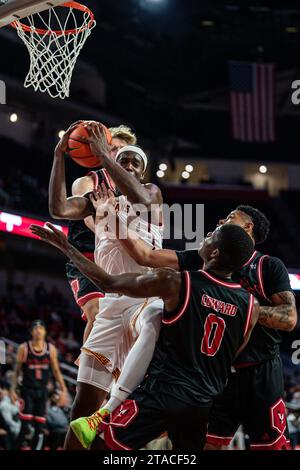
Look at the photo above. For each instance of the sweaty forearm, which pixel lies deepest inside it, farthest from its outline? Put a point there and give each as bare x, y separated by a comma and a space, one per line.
279, 317
127, 184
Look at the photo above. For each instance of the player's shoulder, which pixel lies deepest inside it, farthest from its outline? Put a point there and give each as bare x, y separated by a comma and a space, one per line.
168, 275
273, 262
52, 348
152, 187
22, 352
155, 192
23, 346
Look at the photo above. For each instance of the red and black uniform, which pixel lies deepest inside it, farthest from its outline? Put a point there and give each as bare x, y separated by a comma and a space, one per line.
36, 373
254, 393
34, 394
192, 359
83, 239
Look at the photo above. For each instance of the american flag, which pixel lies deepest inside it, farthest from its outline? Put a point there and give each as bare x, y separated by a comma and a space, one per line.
252, 101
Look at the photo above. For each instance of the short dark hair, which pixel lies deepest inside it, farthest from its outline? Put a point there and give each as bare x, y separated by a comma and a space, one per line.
37, 323
261, 225
235, 247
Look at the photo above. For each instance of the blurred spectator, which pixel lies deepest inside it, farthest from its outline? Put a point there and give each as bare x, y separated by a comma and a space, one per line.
57, 422
294, 419
9, 413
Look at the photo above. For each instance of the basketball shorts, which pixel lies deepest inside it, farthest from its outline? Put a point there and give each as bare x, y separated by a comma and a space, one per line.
148, 413
33, 404
253, 397
116, 329
92, 372
83, 289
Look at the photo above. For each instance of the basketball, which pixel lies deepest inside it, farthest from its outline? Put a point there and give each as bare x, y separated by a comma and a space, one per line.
81, 152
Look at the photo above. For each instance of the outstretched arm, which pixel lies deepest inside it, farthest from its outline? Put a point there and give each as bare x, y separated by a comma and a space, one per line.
61, 207
104, 202
145, 256
162, 283
136, 192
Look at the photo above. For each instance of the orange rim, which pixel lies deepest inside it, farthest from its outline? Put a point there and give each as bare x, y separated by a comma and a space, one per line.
42, 32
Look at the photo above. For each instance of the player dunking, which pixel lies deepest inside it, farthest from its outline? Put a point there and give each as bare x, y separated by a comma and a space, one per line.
207, 320
81, 232
35, 361
258, 368
103, 358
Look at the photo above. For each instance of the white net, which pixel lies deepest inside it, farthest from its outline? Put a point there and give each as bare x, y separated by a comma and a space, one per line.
54, 40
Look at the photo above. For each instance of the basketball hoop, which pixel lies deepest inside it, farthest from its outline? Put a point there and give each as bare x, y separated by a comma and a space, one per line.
54, 40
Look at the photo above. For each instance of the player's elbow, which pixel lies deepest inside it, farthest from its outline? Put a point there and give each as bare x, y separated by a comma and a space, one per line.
291, 325
56, 212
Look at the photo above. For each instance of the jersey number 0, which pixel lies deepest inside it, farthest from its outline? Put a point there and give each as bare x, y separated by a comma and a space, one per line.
214, 328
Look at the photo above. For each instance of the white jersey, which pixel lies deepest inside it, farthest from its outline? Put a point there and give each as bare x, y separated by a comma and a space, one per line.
111, 256
116, 326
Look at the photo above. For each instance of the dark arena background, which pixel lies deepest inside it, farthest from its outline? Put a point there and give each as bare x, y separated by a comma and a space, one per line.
180, 74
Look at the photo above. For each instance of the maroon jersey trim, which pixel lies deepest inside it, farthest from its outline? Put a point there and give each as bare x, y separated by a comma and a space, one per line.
249, 314
81, 301
111, 185
41, 353
249, 260
218, 281
94, 175
260, 277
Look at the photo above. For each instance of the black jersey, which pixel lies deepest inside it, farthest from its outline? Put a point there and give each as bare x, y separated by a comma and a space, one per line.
79, 235
36, 367
263, 276
198, 342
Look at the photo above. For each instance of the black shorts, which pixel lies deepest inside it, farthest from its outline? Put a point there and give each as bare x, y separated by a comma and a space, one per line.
147, 414
83, 289
33, 404
253, 397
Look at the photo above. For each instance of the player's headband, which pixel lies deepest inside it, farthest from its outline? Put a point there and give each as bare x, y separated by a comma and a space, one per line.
133, 148
37, 323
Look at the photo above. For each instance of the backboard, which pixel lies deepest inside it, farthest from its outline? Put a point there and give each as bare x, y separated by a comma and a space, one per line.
12, 10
